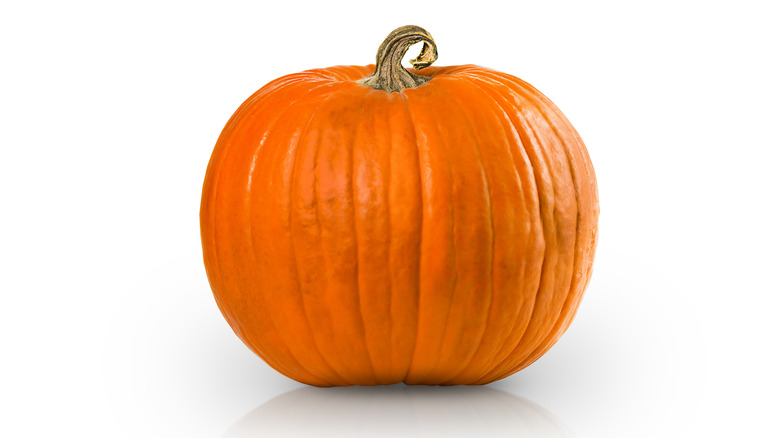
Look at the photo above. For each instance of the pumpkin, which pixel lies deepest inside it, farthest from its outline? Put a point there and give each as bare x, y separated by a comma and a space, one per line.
370, 225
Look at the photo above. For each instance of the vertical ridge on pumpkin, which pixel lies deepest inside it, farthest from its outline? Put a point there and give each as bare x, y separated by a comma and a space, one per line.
588, 190
532, 263
545, 343
305, 225
387, 229
436, 249
390, 377
433, 365
273, 219
578, 164
243, 127
418, 232
547, 284
247, 222
564, 220
330, 371
208, 213
355, 206
506, 204
548, 196
451, 296
337, 120
374, 282
321, 313
567, 142
474, 296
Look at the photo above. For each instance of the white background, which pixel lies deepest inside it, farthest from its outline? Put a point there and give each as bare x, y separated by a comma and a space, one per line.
109, 113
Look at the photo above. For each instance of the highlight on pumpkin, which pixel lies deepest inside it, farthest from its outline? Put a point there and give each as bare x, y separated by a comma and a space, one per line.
371, 225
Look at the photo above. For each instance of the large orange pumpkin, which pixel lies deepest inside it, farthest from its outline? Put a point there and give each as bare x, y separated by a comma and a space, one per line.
365, 228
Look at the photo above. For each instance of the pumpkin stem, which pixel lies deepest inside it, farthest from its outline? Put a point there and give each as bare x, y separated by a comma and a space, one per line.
390, 75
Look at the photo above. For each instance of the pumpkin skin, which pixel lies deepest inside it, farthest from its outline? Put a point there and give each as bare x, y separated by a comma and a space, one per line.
439, 235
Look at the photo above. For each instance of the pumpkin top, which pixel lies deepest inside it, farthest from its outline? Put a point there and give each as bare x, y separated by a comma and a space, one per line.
390, 75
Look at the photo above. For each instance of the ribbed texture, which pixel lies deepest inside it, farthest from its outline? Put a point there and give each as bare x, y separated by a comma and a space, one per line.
441, 235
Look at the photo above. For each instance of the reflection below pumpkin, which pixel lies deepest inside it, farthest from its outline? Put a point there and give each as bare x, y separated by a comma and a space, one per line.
398, 410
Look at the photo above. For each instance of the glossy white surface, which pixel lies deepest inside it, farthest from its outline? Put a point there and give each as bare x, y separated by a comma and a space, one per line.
109, 116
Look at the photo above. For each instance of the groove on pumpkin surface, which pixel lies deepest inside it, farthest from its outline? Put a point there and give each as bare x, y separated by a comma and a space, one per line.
446, 376
247, 219
403, 208
576, 288
493, 343
215, 165
453, 148
436, 185
453, 237
393, 368
334, 200
566, 309
334, 368
329, 370
269, 126
354, 216
542, 173
540, 321
572, 295
372, 225
421, 235
504, 350
324, 367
